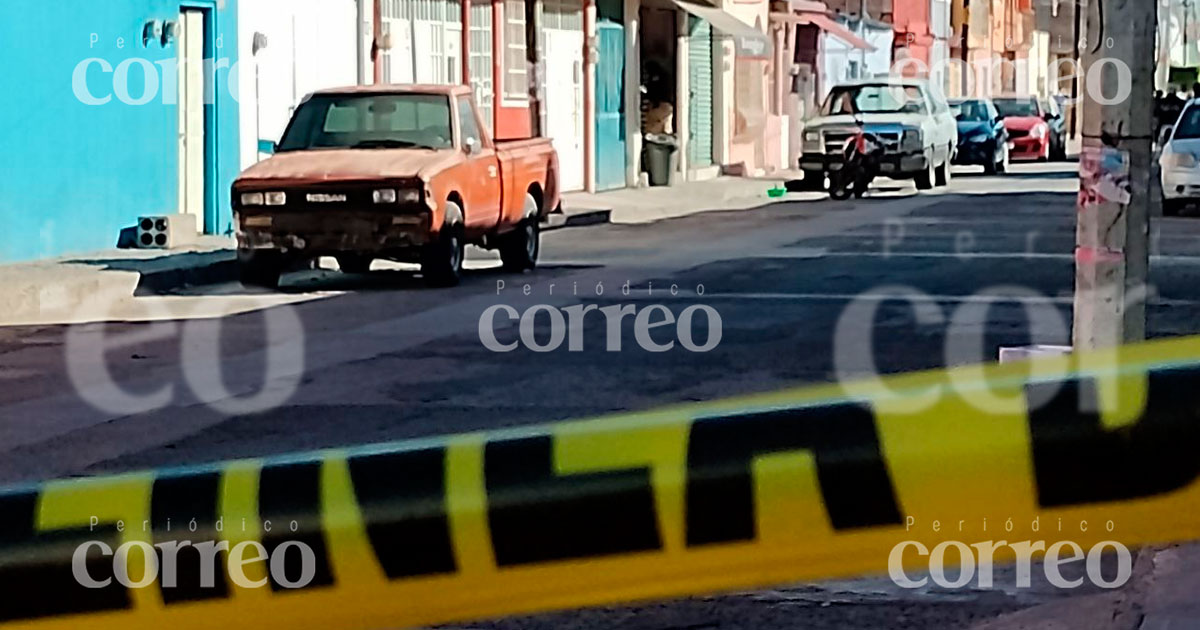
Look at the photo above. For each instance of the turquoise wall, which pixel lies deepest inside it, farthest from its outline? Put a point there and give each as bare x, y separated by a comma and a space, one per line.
73, 174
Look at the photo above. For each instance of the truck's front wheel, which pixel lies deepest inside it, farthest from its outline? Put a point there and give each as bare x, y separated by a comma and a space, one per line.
442, 260
519, 249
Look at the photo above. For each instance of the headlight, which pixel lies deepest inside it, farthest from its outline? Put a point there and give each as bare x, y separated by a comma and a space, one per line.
386, 195
409, 195
275, 198
812, 136
1182, 160
252, 199
912, 140
1041, 131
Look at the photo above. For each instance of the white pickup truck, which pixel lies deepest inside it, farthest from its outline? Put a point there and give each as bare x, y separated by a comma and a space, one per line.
913, 121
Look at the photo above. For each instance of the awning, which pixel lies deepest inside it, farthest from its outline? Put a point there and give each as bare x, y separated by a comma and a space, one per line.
826, 24
748, 41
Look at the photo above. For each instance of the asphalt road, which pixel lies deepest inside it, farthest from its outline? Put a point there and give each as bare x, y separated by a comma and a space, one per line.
374, 358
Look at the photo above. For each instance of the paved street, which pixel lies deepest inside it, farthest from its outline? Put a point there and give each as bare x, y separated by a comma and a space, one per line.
379, 357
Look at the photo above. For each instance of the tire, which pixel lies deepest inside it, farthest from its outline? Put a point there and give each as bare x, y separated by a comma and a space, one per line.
442, 259
814, 181
1060, 151
353, 263
942, 174
925, 179
260, 270
519, 249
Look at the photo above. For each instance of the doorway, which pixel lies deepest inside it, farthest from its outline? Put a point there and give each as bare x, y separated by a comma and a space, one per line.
563, 41
610, 95
193, 115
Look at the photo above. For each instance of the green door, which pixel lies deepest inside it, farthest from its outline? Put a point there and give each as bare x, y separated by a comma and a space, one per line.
700, 83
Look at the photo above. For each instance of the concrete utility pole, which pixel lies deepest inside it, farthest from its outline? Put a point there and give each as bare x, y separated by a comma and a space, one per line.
1112, 238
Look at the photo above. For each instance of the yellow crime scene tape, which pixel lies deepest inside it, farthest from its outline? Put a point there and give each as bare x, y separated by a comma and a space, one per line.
796, 485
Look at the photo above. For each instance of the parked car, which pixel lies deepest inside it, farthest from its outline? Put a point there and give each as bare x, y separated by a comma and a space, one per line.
982, 136
914, 123
1180, 161
404, 172
1035, 126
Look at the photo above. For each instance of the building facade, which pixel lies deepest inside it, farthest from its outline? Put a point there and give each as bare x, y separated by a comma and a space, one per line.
290, 48
119, 130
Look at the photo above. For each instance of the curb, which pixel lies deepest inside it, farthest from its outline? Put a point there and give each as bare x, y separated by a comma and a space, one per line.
583, 218
216, 272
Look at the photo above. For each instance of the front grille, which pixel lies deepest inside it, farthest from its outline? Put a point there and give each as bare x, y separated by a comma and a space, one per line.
333, 196
1017, 133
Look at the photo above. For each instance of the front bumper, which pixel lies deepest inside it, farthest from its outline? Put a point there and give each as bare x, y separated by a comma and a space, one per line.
976, 153
1181, 184
890, 164
313, 234
1029, 147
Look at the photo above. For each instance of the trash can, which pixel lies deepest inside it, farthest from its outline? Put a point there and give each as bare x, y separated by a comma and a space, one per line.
661, 158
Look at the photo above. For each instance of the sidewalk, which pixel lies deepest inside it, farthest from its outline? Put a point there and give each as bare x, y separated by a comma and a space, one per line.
40, 291
647, 205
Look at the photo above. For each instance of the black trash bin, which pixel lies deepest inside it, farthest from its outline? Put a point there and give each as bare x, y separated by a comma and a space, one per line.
662, 158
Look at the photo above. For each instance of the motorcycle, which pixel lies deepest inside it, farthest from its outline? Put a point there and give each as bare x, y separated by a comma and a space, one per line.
860, 165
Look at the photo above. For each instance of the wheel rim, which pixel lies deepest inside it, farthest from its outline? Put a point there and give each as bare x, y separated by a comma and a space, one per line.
531, 241
455, 252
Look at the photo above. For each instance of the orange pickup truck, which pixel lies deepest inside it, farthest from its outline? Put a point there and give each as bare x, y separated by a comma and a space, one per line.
399, 172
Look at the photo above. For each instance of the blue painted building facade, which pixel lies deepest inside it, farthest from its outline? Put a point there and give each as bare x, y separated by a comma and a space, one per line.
90, 124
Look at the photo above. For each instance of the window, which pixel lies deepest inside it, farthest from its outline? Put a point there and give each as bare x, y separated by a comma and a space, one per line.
370, 121
516, 72
466, 122
875, 99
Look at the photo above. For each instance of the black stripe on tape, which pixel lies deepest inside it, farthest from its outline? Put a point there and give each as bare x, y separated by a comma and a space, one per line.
179, 504
36, 577
403, 501
1077, 461
855, 484
287, 494
537, 516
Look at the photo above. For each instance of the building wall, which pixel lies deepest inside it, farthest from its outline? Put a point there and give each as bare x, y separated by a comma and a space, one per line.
748, 112
75, 173
310, 46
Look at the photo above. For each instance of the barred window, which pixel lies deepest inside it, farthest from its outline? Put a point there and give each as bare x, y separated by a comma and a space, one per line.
516, 71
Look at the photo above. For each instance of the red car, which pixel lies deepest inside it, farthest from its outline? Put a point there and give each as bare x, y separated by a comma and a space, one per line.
1035, 128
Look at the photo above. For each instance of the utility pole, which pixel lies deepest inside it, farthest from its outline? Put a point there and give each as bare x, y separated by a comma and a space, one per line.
1112, 236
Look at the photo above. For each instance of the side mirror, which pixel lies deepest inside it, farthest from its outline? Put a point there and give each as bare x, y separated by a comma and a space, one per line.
1164, 136
472, 146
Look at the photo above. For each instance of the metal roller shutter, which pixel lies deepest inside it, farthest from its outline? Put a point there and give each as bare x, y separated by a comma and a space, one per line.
700, 102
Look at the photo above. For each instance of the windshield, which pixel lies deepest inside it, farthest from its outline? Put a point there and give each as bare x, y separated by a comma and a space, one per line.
971, 111
1188, 127
875, 99
1017, 107
370, 121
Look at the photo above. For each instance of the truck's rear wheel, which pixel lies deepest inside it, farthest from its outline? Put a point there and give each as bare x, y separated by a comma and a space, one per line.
261, 269
519, 249
442, 259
